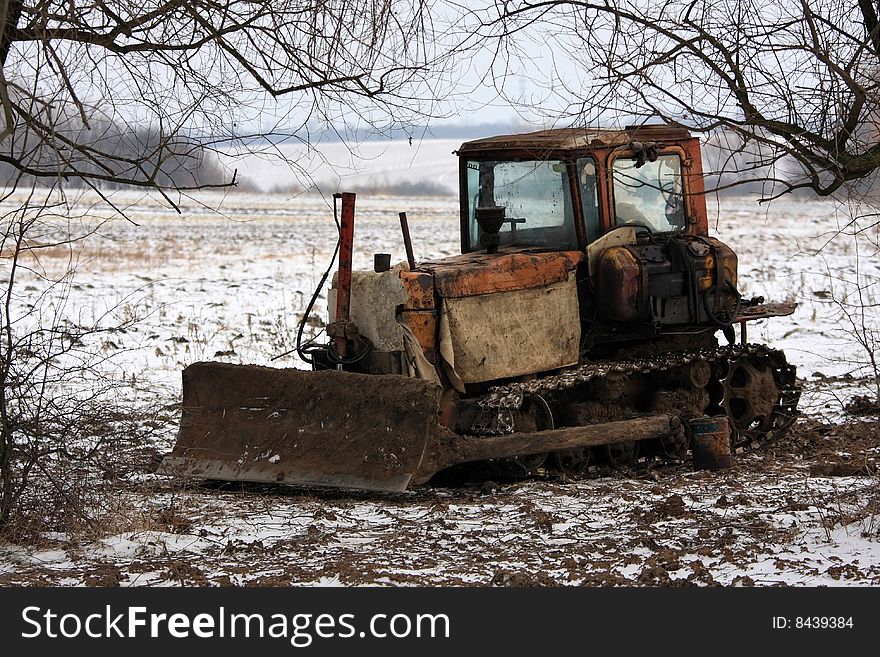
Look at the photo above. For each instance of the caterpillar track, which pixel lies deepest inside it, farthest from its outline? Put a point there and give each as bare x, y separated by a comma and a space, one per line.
752, 384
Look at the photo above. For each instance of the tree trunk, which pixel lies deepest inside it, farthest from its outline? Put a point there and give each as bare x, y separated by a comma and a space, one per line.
13, 15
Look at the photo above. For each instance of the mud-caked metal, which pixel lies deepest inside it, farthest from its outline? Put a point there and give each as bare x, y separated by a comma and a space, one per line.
581, 321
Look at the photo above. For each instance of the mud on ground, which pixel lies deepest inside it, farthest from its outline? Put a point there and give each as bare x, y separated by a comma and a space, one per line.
802, 511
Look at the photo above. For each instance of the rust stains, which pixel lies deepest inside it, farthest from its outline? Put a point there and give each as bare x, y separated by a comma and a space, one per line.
473, 274
419, 288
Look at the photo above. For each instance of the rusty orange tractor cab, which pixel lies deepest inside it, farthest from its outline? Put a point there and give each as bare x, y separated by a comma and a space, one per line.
578, 324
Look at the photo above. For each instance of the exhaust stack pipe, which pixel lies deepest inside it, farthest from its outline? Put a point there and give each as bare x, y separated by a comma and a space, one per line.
407, 242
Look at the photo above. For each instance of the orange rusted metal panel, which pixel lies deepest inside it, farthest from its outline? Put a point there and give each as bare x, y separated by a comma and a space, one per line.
606, 216
423, 324
472, 274
419, 288
695, 188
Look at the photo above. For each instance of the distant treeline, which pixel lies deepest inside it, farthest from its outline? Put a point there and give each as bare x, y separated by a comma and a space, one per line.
377, 187
318, 135
110, 156
107, 156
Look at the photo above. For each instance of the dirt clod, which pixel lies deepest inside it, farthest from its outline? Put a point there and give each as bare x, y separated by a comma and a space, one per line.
521, 578
673, 506
863, 405
105, 576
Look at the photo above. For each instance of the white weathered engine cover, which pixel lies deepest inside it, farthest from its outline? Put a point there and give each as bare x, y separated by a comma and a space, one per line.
374, 301
506, 334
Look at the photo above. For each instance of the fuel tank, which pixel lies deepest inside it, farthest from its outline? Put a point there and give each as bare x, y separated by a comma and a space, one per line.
680, 280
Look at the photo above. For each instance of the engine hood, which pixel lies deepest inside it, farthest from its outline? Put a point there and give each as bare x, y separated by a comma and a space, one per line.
480, 273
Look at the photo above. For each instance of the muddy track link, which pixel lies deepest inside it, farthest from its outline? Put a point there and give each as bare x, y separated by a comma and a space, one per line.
747, 373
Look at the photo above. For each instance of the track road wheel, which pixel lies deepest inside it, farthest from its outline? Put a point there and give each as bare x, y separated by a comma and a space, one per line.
673, 447
621, 455
572, 462
535, 415
751, 395
531, 463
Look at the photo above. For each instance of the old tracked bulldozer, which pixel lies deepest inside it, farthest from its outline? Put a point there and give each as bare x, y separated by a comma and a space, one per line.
579, 323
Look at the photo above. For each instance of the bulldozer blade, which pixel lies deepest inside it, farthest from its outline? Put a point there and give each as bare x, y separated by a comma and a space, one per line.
326, 428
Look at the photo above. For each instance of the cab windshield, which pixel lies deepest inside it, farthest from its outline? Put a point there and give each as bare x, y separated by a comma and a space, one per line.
536, 198
649, 193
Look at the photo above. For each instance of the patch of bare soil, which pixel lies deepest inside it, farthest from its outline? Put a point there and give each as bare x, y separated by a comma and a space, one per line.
804, 510
840, 450
863, 405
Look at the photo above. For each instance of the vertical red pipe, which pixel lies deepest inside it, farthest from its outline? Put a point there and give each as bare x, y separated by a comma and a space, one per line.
343, 280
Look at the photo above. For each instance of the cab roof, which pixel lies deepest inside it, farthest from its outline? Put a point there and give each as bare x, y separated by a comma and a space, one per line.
573, 139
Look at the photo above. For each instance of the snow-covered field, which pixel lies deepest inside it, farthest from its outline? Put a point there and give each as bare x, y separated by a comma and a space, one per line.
231, 285
427, 164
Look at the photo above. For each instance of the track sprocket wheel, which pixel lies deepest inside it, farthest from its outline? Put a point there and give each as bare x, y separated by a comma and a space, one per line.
759, 397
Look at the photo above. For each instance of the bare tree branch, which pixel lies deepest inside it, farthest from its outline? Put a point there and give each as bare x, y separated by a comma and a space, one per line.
799, 77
